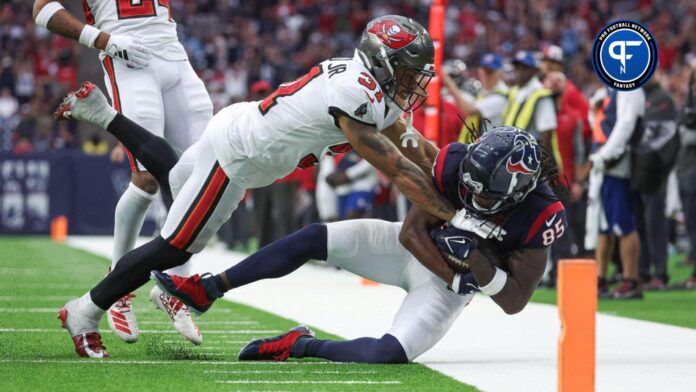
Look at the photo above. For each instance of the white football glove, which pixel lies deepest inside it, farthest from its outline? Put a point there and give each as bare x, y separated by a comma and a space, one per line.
464, 220
130, 50
597, 162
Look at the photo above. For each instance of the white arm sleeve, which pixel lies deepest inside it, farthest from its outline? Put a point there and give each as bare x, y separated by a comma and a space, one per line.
545, 116
359, 170
629, 106
491, 107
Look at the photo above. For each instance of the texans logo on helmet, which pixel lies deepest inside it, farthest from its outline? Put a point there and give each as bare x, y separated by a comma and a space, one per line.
524, 159
391, 34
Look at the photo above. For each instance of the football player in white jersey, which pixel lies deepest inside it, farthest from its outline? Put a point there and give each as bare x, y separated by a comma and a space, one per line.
339, 103
150, 80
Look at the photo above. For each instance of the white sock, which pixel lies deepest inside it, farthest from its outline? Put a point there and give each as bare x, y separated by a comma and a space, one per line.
88, 308
130, 215
182, 270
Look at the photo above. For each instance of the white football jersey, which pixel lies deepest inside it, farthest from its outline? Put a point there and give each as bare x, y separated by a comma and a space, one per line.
148, 19
298, 123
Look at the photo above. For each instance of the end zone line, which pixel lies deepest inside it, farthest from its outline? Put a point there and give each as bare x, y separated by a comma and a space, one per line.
348, 382
165, 362
289, 372
162, 331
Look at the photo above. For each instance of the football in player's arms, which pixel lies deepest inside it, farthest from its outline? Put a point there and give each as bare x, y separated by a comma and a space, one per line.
457, 246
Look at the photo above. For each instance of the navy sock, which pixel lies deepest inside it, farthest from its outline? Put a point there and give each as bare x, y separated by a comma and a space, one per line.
279, 258
367, 350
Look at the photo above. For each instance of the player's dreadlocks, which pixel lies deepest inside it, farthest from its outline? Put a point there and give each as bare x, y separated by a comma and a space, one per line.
549, 168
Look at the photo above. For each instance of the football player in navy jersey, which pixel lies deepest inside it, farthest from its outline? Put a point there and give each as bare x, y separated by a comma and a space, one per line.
503, 179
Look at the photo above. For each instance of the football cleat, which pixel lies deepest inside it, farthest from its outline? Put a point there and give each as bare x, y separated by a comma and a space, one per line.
276, 348
178, 314
195, 291
83, 331
627, 290
86, 104
122, 319
690, 284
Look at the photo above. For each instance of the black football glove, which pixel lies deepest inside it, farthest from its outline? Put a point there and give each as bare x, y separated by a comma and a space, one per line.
455, 245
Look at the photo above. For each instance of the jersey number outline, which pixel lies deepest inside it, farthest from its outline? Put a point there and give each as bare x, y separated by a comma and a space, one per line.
289, 88
129, 9
553, 233
366, 80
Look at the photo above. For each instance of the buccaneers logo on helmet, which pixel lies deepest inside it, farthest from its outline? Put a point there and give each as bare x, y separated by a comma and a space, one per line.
391, 34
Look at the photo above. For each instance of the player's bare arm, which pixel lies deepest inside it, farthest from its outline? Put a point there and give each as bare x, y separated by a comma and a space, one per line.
406, 175
67, 25
424, 155
415, 237
464, 105
525, 269
54, 17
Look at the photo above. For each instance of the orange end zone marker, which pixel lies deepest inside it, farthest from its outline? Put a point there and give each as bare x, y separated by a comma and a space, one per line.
59, 228
577, 307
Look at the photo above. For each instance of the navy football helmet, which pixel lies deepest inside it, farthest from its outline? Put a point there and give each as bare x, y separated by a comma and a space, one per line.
503, 166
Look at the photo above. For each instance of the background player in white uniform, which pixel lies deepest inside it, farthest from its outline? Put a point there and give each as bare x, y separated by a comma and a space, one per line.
150, 80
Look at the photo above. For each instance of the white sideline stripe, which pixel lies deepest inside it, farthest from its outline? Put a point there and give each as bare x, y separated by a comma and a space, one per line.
209, 342
289, 372
163, 322
57, 308
164, 362
29, 310
349, 382
165, 331
56, 286
37, 298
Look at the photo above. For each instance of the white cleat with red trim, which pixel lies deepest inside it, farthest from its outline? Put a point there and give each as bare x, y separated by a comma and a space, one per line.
83, 330
86, 104
122, 319
178, 314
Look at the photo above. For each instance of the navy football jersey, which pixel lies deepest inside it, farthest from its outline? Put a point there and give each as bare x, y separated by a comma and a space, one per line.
537, 222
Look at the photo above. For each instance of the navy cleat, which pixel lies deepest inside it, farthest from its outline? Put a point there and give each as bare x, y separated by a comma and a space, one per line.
276, 348
197, 292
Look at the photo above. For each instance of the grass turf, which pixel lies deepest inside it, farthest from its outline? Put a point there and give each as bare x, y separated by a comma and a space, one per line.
38, 276
675, 307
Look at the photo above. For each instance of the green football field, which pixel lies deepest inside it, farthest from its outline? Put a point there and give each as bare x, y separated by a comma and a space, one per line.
38, 276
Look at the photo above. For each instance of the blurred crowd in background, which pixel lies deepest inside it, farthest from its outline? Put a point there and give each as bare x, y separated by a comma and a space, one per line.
243, 49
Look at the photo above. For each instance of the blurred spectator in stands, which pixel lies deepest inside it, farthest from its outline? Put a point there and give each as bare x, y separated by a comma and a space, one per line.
9, 105
611, 211
355, 182
325, 195
571, 147
490, 99
22, 146
95, 145
686, 173
660, 123
530, 106
273, 204
67, 136
553, 60
450, 122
